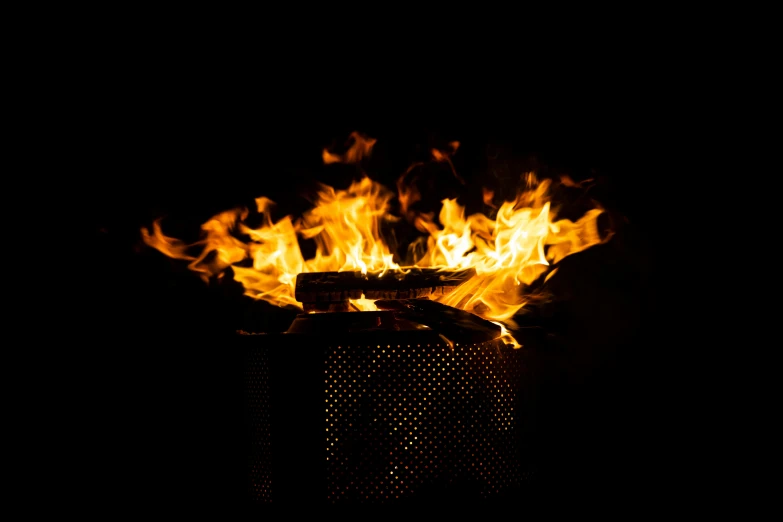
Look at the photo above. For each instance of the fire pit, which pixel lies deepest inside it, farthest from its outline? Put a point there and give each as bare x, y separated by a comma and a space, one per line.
379, 407
398, 382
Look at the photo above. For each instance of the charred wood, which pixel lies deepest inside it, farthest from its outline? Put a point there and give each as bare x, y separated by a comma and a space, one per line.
446, 320
414, 283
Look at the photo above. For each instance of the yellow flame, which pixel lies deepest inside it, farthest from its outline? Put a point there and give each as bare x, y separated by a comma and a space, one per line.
346, 226
522, 243
509, 252
506, 337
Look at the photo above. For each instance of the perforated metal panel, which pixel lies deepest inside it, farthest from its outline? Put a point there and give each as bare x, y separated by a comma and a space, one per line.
401, 416
259, 417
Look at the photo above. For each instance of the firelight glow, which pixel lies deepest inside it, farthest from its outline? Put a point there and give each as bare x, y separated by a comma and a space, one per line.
521, 244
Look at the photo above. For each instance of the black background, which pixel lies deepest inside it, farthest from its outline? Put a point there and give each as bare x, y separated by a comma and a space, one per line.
187, 144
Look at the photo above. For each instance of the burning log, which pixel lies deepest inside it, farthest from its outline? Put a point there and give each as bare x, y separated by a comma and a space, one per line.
451, 323
338, 287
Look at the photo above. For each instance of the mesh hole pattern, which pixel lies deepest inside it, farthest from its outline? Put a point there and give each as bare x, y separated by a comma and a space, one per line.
400, 417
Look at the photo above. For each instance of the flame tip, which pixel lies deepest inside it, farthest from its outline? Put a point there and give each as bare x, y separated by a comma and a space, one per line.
521, 243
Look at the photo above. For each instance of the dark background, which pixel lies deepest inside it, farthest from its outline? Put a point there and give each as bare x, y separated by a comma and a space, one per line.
185, 148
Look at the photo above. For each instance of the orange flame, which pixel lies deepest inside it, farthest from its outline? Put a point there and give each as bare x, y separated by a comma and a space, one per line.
218, 240
521, 244
445, 155
360, 147
513, 250
487, 195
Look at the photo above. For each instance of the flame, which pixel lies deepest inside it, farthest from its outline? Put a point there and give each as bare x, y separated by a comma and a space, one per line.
445, 155
220, 248
487, 195
509, 252
407, 192
506, 337
346, 226
520, 244
360, 147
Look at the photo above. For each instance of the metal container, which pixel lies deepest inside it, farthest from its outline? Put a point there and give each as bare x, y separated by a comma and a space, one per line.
367, 408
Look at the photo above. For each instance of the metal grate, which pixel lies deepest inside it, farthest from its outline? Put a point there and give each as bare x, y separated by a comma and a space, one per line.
259, 417
398, 420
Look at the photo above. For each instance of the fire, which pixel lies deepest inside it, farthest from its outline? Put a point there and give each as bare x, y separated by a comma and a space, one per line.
521, 243
361, 146
513, 250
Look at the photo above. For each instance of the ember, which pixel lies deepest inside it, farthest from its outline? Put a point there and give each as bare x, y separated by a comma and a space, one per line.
505, 252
